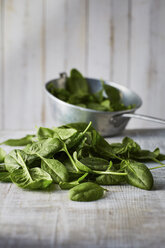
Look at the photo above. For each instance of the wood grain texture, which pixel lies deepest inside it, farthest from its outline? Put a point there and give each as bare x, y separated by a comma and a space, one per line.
1, 62
100, 41
120, 39
156, 79
55, 42
65, 39
126, 217
139, 53
22, 63
75, 39
147, 57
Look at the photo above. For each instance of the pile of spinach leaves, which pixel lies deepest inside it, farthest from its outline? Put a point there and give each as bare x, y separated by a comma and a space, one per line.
77, 92
78, 159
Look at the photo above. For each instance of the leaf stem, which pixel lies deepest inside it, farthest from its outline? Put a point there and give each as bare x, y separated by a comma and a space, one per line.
110, 173
86, 129
157, 161
163, 165
70, 157
82, 178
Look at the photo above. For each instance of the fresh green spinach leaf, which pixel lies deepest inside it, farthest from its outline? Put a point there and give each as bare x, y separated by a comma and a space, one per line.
76, 83
44, 133
110, 179
56, 169
138, 175
87, 191
45, 148
32, 179
113, 94
5, 177
2, 167
69, 185
28, 139
2, 155
65, 133
13, 160
95, 163
79, 165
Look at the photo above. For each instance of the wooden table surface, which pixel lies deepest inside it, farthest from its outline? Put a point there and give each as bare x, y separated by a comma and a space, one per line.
125, 217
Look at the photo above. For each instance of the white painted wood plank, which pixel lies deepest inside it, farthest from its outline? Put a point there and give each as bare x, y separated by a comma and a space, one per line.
55, 35
76, 35
156, 74
100, 40
65, 40
140, 57
121, 41
126, 217
1, 61
23, 64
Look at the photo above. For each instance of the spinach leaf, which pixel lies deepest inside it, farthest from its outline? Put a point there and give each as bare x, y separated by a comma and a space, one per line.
45, 133
102, 147
130, 145
118, 148
45, 148
69, 185
80, 165
80, 98
56, 169
28, 139
82, 105
65, 133
13, 160
60, 93
86, 151
68, 165
126, 148
76, 83
138, 174
87, 191
161, 157
2, 167
2, 155
97, 106
145, 155
76, 138
98, 96
95, 163
5, 177
113, 94
110, 179
79, 126
107, 105
33, 179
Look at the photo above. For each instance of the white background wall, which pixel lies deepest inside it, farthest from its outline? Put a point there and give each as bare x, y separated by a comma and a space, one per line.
119, 40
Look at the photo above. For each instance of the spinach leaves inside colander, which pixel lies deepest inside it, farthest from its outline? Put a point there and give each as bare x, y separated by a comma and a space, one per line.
77, 92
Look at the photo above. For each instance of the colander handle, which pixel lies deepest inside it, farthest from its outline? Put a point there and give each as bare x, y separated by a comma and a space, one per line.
144, 117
